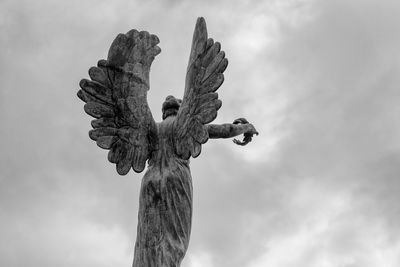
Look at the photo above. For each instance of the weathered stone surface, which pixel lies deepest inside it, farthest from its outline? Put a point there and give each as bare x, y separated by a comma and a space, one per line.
116, 96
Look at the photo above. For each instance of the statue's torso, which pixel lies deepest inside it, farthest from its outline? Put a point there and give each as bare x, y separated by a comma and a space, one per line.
165, 152
165, 209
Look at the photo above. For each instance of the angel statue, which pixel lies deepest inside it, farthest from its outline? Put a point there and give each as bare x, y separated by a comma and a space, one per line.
116, 96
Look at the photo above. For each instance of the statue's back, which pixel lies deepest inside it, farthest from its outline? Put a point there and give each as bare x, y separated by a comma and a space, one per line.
165, 209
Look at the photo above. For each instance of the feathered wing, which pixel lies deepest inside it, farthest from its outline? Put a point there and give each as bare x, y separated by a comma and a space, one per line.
200, 102
116, 95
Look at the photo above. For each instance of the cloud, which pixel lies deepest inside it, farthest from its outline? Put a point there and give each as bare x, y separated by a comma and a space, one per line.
318, 187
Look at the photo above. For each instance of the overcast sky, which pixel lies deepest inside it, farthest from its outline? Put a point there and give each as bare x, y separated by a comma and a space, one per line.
319, 187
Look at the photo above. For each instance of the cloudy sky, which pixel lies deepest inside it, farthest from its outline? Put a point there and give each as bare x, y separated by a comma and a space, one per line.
318, 188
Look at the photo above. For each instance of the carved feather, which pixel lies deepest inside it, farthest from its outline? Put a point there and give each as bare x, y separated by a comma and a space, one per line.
99, 75
103, 122
106, 142
98, 110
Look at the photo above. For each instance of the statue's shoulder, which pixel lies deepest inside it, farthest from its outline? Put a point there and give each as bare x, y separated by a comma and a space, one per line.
167, 124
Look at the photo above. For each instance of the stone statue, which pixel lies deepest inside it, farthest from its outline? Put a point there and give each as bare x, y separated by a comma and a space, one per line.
116, 96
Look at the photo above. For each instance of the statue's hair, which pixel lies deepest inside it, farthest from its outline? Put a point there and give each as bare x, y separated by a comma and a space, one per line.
170, 106
169, 112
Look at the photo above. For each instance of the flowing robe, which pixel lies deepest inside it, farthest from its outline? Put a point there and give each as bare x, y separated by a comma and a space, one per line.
165, 205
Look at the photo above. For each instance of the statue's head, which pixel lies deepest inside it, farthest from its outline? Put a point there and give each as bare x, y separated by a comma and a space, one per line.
170, 106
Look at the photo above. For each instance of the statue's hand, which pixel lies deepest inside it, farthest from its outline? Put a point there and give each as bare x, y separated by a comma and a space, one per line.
248, 133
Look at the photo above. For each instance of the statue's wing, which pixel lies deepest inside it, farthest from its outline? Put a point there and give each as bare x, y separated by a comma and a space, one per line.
200, 102
116, 95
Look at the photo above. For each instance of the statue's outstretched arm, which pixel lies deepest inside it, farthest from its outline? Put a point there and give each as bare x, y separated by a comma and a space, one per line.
229, 130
